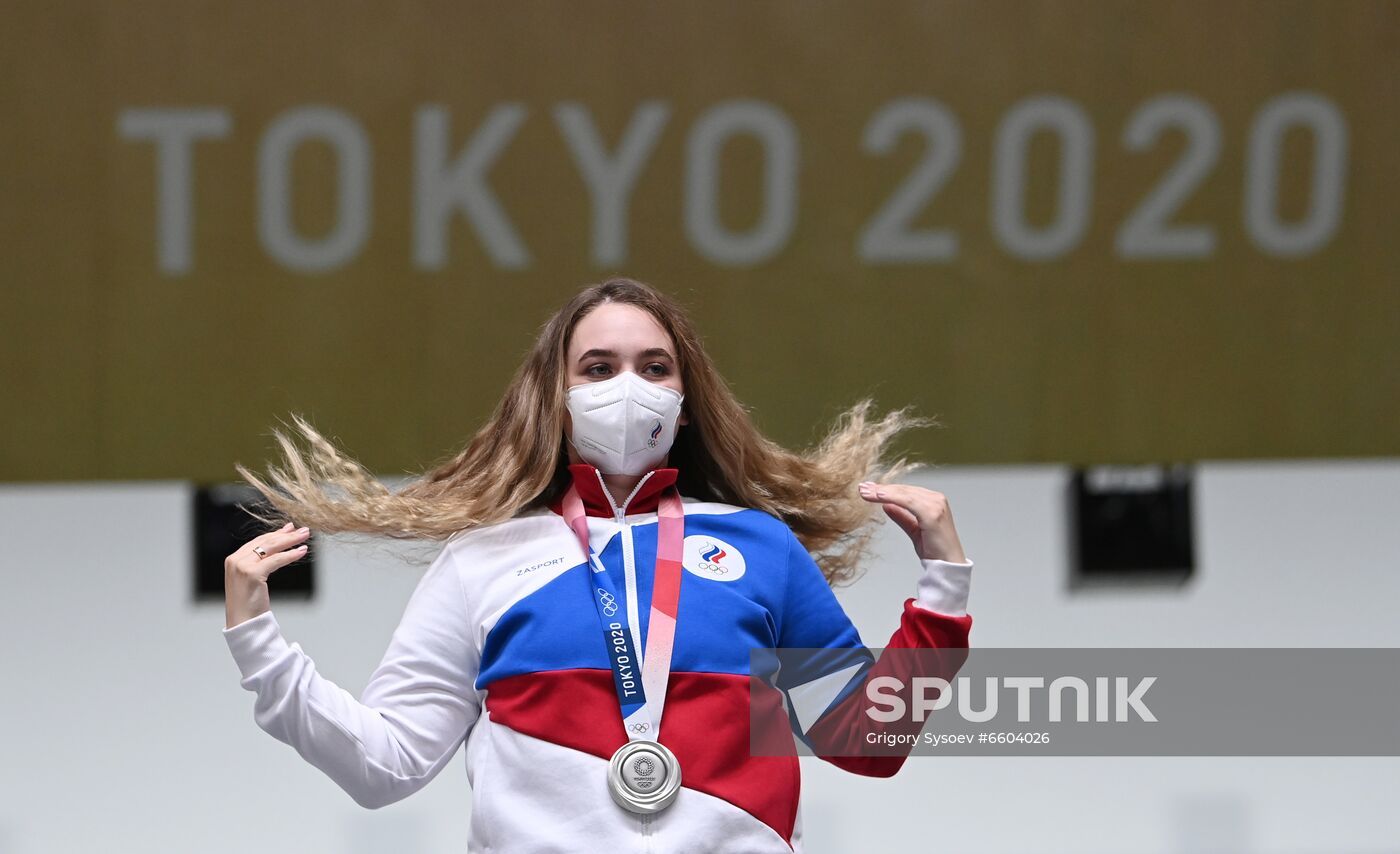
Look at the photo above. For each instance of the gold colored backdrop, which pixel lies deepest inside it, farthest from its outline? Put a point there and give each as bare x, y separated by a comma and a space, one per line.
1090, 232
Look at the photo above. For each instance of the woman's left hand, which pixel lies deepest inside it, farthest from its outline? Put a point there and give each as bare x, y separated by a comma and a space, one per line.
923, 514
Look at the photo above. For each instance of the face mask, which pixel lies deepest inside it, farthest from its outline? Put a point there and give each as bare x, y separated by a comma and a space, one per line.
625, 424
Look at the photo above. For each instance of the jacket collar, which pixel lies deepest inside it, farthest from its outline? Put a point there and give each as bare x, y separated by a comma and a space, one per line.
597, 502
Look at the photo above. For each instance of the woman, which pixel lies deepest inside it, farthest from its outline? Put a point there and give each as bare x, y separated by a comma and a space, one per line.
618, 470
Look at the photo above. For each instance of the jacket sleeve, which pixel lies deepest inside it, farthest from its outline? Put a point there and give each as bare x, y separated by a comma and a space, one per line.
415, 712
825, 690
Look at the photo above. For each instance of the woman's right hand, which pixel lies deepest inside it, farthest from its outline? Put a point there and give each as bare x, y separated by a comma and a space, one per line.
245, 574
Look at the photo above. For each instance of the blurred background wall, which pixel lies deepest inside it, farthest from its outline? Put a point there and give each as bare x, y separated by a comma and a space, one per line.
1078, 233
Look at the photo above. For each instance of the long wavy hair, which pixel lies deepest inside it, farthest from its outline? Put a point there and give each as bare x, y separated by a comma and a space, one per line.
518, 459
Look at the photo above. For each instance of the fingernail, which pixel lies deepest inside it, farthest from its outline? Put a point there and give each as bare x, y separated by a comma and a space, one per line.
302, 530
286, 526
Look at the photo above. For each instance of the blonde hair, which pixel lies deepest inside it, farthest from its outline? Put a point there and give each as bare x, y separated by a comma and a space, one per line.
517, 460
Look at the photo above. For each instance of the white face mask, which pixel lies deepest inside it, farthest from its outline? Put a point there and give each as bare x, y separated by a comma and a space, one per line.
624, 424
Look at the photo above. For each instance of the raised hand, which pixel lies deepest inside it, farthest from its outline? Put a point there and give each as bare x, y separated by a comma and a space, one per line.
246, 573
923, 514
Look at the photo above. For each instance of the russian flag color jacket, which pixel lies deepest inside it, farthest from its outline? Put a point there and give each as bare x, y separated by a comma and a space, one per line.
500, 647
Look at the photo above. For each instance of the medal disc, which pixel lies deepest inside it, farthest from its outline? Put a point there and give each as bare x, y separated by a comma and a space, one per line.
644, 776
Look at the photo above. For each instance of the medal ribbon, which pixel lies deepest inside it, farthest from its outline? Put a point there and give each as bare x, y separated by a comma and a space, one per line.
638, 719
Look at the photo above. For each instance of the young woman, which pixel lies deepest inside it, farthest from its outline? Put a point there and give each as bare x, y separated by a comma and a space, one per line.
618, 537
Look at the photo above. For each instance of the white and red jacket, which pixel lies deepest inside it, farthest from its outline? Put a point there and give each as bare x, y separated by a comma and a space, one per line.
499, 646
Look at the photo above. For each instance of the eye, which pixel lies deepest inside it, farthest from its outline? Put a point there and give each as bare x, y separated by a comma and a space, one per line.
661, 369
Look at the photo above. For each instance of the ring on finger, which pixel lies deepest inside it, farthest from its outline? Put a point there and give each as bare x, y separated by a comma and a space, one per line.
260, 552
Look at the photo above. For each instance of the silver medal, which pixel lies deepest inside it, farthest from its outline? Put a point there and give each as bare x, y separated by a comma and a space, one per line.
644, 776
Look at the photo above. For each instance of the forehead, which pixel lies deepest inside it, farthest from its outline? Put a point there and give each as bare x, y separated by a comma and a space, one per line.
619, 327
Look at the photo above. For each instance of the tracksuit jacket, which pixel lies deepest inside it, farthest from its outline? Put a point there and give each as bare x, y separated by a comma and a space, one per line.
500, 647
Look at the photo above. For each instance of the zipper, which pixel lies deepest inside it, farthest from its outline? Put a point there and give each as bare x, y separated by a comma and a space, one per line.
629, 564
620, 512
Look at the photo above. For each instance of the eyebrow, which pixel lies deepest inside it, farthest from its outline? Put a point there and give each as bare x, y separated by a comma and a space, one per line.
612, 354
